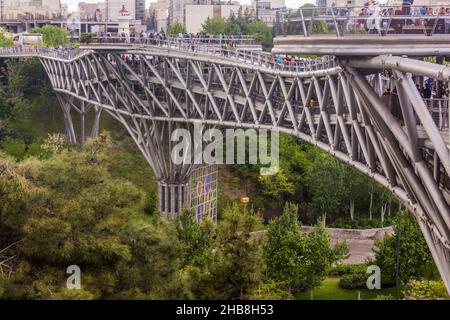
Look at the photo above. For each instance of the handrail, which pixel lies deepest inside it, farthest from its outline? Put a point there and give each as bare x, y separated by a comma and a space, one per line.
389, 19
137, 38
262, 59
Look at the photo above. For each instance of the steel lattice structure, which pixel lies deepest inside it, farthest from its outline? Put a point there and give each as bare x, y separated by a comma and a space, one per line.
339, 109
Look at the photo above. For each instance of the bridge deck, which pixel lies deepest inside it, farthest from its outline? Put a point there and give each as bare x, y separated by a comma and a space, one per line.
364, 45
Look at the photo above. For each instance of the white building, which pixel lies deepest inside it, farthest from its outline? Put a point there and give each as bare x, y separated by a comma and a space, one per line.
196, 15
114, 7
159, 12
31, 9
177, 8
139, 10
267, 10
124, 20
272, 4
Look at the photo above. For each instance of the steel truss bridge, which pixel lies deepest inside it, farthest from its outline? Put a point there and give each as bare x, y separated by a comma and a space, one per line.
336, 104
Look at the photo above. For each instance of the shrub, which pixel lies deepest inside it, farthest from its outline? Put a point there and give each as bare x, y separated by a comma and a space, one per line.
356, 280
415, 257
86, 38
15, 148
425, 289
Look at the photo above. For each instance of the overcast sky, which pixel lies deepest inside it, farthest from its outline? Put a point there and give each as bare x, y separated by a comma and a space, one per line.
73, 4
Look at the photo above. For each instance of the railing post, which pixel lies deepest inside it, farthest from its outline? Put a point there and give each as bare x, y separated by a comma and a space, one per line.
305, 32
311, 22
336, 26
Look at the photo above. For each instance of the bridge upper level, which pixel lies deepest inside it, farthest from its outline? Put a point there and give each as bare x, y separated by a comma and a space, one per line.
364, 45
377, 19
416, 31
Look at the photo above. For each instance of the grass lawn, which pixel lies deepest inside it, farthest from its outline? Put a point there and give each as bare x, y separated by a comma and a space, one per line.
330, 290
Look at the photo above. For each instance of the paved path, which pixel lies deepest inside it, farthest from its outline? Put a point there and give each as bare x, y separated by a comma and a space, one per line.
360, 250
360, 242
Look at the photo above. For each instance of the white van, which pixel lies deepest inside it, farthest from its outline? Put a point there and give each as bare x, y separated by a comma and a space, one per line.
22, 39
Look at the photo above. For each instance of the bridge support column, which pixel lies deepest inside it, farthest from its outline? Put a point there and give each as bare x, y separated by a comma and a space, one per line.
153, 139
172, 197
83, 111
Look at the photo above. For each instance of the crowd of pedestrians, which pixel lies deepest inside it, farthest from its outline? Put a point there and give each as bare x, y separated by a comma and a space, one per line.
373, 17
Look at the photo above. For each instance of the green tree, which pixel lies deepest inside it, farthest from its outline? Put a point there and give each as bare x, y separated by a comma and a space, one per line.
320, 255
325, 182
14, 147
86, 38
176, 29
235, 24
6, 40
272, 290
22, 75
415, 258
195, 238
234, 265
215, 26
53, 35
68, 209
261, 32
283, 249
276, 187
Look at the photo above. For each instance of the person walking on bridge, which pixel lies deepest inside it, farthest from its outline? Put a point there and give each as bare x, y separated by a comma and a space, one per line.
447, 21
406, 7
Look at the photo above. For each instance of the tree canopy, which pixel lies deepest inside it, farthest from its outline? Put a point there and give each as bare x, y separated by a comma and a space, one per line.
176, 29
53, 35
6, 40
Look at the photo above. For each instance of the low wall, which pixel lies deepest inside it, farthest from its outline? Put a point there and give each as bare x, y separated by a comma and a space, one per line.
357, 234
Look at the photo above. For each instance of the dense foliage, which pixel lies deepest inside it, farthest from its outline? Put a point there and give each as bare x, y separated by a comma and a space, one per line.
53, 35
415, 259
6, 40
425, 290
176, 29
86, 38
296, 259
239, 24
85, 216
81, 216
323, 186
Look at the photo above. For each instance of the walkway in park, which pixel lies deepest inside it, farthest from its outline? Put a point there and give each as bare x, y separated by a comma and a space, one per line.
360, 242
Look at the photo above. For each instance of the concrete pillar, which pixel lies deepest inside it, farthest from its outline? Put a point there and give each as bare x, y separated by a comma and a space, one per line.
172, 197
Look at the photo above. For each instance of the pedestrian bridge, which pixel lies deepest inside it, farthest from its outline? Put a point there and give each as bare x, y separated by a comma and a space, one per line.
337, 104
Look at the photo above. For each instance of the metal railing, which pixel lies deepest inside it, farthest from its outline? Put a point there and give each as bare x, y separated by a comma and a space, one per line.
438, 109
149, 38
32, 51
380, 20
253, 57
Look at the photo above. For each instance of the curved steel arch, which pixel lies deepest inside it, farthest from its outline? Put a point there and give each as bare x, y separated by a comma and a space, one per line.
339, 109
